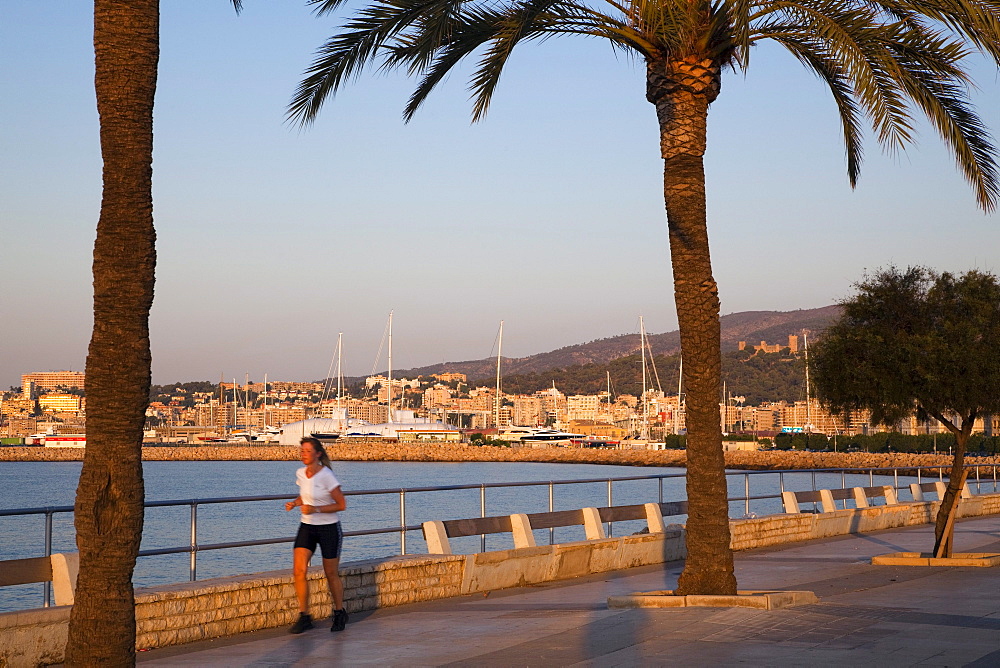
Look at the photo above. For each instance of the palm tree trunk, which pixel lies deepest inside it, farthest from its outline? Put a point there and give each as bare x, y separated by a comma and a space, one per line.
110, 493
682, 91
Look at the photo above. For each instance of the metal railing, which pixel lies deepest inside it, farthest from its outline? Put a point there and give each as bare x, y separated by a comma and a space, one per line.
194, 547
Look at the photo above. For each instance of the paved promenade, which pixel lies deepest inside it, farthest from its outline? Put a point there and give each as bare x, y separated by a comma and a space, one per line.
868, 616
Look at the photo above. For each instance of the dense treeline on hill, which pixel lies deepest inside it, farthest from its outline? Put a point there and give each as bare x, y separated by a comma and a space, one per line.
756, 378
165, 392
886, 442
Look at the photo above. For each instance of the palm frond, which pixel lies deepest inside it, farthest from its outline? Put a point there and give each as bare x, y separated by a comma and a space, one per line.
826, 67
519, 22
346, 54
884, 61
947, 108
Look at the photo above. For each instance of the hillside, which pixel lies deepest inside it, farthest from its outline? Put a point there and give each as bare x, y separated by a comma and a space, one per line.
756, 378
750, 326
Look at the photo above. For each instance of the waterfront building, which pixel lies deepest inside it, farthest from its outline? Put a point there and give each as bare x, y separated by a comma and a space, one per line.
528, 411
505, 417
282, 414
597, 429
437, 396
553, 404
450, 377
59, 402
295, 387
54, 380
17, 407
19, 427
367, 410
582, 407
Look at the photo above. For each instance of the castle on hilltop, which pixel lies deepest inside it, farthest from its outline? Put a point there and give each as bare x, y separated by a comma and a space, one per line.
793, 346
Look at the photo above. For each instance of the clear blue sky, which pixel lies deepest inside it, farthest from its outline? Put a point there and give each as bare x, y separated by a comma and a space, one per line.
548, 214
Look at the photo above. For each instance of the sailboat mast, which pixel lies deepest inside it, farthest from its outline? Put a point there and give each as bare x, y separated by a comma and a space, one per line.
390, 369
805, 342
265, 401
609, 390
340, 375
680, 379
496, 400
645, 404
725, 410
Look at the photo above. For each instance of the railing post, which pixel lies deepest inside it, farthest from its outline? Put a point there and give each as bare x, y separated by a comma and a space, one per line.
660, 480
48, 553
746, 493
552, 530
193, 567
815, 507
610, 503
781, 481
482, 513
919, 470
402, 521
871, 477
978, 489
843, 485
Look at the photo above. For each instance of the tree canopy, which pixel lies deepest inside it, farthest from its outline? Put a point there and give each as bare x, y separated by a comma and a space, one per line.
914, 340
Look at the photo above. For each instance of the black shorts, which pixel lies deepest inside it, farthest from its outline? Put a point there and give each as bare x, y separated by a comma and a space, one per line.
329, 536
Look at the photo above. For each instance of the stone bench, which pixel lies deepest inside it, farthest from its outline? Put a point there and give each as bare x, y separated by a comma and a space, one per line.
827, 498
59, 569
918, 489
520, 525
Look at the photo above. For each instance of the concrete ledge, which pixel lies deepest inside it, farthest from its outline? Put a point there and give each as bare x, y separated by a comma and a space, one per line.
34, 637
977, 559
760, 600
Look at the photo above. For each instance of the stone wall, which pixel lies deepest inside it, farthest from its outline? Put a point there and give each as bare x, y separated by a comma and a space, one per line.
365, 450
186, 612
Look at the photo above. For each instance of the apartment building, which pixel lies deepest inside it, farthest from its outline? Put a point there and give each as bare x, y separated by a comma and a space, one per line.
437, 396
59, 402
54, 380
528, 411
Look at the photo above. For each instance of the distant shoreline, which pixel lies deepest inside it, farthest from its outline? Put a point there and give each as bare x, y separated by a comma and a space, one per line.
747, 460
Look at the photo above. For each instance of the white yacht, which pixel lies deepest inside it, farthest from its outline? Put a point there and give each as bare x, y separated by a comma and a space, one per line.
537, 436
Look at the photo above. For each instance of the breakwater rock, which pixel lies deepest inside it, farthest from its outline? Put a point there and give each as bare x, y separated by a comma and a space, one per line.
380, 451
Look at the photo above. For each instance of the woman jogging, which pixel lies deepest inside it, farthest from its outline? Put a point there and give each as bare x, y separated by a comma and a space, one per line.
320, 499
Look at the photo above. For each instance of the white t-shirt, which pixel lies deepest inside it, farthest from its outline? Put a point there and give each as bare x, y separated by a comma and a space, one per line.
315, 491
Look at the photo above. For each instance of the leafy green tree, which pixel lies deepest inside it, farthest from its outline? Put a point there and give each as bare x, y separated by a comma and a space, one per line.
881, 59
914, 340
109, 497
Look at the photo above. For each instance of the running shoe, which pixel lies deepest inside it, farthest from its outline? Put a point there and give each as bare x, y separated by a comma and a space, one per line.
303, 623
339, 620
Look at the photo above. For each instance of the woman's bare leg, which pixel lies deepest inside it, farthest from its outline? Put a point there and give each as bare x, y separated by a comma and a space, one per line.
332, 569
300, 567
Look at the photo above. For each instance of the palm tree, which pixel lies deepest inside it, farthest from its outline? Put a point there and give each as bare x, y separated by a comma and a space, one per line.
110, 494
882, 60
